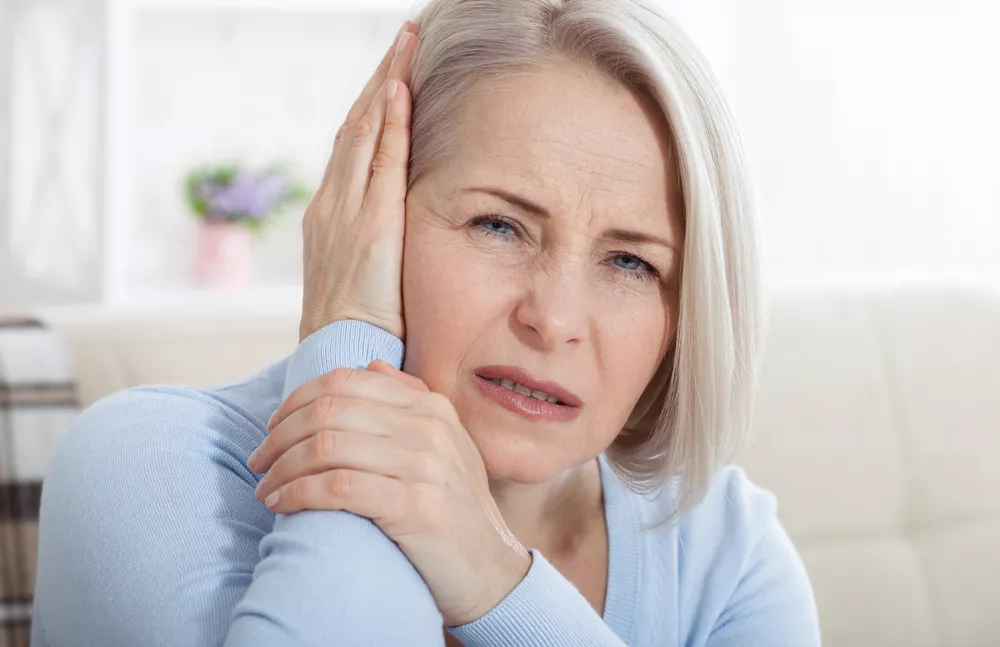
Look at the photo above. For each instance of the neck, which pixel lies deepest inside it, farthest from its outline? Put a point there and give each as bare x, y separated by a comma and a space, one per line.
555, 516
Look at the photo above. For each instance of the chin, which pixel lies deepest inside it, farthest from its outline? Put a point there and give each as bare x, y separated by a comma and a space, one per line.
510, 456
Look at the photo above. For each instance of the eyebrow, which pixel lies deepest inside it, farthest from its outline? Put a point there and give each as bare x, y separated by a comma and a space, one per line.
616, 234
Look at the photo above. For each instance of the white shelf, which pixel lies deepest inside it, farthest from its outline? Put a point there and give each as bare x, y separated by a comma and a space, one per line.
332, 6
263, 299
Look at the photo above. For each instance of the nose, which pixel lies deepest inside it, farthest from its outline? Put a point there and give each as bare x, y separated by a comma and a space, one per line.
554, 310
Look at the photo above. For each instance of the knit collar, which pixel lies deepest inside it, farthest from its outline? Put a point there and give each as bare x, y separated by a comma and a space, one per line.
625, 554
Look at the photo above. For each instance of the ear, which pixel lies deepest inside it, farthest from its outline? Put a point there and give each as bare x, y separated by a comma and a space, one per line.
379, 366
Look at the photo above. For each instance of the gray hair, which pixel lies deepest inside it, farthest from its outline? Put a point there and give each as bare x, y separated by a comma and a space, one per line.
695, 414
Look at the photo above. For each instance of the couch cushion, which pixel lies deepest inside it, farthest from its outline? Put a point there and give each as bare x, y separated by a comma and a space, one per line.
878, 427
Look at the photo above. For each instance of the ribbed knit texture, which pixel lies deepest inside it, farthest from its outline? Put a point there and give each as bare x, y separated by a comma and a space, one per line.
151, 535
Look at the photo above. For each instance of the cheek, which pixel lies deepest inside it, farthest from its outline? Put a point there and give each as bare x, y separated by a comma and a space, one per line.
451, 297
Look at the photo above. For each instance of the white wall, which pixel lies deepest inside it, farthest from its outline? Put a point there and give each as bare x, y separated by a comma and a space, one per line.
871, 125
259, 87
873, 130
54, 149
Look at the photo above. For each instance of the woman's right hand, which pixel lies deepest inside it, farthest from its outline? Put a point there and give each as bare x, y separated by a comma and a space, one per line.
353, 228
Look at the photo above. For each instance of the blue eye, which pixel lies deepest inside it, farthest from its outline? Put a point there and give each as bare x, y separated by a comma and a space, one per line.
636, 268
634, 263
498, 227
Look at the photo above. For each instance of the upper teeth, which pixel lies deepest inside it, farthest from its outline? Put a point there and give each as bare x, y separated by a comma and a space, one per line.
514, 386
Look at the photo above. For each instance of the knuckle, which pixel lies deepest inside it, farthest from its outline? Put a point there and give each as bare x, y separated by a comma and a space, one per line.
296, 493
437, 406
364, 128
429, 465
339, 483
383, 161
393, 123
334, 381
320, 410
339, 137
324, 444
433, 434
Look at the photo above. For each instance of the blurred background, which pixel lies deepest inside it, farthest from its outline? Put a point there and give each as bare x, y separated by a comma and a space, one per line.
155, 161
872, 129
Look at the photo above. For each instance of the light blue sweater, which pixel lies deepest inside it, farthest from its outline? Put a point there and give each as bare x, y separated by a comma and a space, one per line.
151, 535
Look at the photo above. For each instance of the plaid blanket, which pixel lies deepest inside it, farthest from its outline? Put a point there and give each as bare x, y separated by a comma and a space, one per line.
37, 405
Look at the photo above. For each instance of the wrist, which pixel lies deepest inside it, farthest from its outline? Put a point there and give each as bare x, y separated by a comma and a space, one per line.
313, 320
511, 571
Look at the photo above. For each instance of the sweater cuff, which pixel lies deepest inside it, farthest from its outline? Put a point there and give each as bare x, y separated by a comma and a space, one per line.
545, 609
348, 344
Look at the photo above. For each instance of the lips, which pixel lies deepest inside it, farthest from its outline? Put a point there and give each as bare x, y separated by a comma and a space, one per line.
519, 375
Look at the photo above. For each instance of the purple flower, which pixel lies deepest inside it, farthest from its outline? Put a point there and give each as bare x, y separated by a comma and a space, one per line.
250, 196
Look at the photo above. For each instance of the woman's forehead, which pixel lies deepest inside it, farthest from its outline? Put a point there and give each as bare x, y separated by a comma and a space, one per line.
570, 136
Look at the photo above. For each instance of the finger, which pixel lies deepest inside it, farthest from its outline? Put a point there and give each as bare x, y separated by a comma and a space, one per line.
378, 79
370, 130
386, 195
364, 99
338, 159
376, 497
399, 71
352, 415
383, 367
345, 383
335, 449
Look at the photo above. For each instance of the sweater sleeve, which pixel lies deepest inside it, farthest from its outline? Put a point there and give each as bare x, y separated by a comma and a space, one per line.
150, 533
328, 576
544, 610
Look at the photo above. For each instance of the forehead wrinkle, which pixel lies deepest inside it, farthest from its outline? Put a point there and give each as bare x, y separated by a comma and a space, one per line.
555, 176
577, 150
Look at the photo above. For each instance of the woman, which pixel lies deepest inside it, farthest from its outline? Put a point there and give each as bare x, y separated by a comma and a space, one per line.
579, 305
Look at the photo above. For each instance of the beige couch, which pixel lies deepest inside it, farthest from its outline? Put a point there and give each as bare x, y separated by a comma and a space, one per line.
878, 426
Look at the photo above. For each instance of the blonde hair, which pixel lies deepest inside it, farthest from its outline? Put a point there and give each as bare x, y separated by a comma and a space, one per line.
695, 414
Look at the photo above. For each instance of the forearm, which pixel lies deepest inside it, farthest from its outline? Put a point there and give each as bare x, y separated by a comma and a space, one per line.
324, 574
334, 578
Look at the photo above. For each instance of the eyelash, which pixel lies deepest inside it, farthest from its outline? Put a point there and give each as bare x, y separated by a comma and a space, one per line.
649, 275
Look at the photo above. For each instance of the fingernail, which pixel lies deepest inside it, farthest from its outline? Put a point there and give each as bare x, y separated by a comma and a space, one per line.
404, 40
272, 499
252, 461
393, 86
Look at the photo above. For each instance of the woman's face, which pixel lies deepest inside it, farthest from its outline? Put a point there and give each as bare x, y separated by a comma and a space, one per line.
556, 289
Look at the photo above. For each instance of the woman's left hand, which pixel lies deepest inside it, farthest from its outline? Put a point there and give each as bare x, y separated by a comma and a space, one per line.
380, 444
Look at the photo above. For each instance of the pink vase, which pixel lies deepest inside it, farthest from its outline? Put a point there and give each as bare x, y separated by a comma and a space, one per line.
225, 255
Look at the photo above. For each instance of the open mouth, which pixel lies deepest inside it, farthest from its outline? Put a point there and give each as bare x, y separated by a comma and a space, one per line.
532, 404
523, 390
520, 381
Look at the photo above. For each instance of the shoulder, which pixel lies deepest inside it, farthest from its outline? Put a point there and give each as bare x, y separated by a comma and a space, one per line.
750, 577
735, 511
140, 444
228, 419
149, 485
161, 418
143, 461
